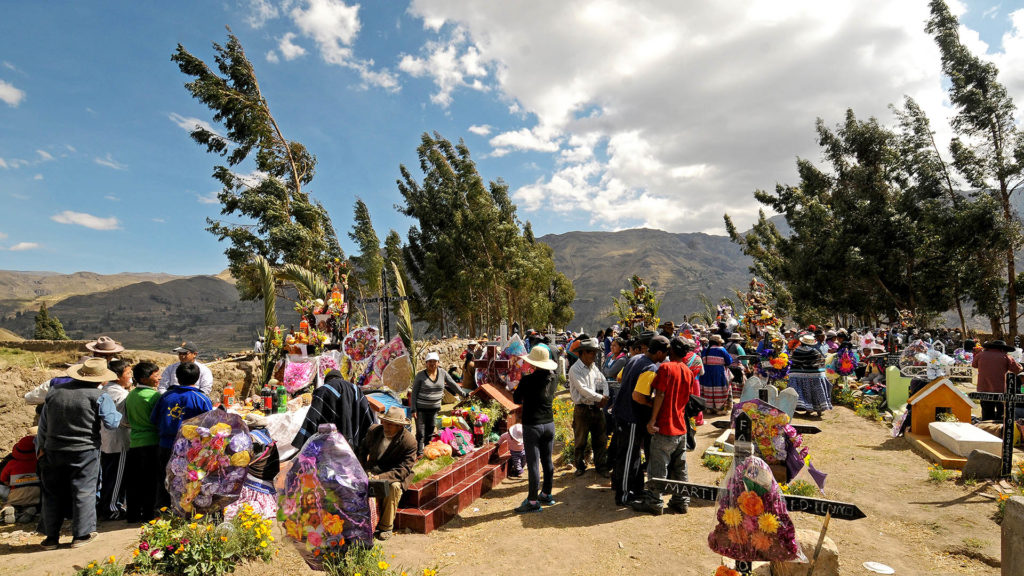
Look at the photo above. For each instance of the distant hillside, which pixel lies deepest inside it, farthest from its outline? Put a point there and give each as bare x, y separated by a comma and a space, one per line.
22, 291
678, 266
152, 316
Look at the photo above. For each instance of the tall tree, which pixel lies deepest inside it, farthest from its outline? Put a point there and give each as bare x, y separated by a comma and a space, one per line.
369, 262
48, 327
285, 225
989, 149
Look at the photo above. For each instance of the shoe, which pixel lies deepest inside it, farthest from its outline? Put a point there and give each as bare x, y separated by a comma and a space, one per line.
384, 535
526, 507
580, 471
50, 544
545, 500
679, 508
645, 506
82, 541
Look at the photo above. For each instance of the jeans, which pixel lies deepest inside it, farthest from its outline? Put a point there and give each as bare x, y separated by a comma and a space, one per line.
668, 460
539, 441
144, 478
627, 469
424, 427
112, 485
590, 421
69, 481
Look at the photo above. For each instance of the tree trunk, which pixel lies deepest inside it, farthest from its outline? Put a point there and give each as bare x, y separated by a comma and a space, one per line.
1011, 272
960, 313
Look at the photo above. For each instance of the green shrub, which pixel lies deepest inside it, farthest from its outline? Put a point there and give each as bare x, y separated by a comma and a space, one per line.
800, 488
109, 567
359, 560
938, 474
715, 462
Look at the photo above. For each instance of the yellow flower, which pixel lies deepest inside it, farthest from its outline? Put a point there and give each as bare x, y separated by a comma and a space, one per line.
100, 571
271, 538
135, 553
429, 572
152, 522
209, 527
223, 538
111, 559
732, 517
768, 523
263, 544
197, 517
192, 526
91, 565
404, 573
382, 565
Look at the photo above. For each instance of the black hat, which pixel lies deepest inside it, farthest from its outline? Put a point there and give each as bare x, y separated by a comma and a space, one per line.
999, 345
658, 344
680, 346
646, 336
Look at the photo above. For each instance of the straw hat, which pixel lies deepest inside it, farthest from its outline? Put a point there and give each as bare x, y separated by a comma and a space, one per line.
541, 358
104, 345
92, 370
395, 415
808, 338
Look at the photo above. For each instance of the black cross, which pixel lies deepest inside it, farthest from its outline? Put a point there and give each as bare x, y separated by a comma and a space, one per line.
743, 449
385, 301
1010, 400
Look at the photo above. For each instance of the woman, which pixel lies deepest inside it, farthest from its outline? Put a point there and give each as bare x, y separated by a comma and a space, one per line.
807, 376
427, 393
615, 360
536, 392
735, 349
714, 385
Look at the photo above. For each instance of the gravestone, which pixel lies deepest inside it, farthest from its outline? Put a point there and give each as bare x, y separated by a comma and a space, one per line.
788, 400
962, 438
756, 389
982, 464
1010, 399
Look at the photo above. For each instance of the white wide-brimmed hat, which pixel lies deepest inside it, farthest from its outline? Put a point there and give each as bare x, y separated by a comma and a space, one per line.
541, 358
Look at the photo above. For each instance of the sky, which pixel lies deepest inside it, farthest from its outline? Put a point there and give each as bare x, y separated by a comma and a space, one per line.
600, 115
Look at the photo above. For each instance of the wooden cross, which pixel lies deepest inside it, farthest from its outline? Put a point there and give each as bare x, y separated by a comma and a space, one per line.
1010, 399
744, 448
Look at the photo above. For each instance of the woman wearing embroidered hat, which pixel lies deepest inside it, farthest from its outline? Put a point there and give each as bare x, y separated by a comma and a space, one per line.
536, 392
427, 393
807, 376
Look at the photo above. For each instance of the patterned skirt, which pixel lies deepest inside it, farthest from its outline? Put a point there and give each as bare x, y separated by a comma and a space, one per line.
813, 389
259, 494
717, 397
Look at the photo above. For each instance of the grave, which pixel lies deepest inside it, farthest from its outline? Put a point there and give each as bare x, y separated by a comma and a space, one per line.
938, 396
1010, 399
962, 438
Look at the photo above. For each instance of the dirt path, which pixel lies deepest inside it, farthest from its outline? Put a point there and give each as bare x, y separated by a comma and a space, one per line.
915, 526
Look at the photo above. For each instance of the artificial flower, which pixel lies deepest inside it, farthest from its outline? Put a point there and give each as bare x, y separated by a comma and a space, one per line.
732, 517
750, 503
768, 523
761, 541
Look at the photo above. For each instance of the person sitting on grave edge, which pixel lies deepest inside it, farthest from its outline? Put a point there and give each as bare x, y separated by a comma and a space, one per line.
388, 453
993, 363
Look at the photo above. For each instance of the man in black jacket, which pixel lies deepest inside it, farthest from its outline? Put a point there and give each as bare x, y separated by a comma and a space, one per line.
387, 454
337, 402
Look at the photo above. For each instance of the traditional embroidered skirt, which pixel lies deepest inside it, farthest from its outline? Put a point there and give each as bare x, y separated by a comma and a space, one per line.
813, 389
717, 397
259, 494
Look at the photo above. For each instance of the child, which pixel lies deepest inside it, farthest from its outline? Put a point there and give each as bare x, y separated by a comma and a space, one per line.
179, 403
114, 446
144, 474
19, 474
515, 446
258, 490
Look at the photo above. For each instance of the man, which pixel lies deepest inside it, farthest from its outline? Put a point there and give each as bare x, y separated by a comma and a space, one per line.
630, 421
102, 347
114, 446
993, 363
337, 402
387, 454
668, 329
589, 392
68, 448
187, 352
672, 386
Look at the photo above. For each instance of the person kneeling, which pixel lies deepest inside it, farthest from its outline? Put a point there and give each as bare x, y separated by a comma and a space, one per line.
388, 453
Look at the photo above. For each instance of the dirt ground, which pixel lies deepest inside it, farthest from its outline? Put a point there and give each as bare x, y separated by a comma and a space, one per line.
912, 525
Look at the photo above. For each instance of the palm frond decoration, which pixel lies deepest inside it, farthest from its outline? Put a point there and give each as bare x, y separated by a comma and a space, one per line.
266, 282
309, 284
404, 317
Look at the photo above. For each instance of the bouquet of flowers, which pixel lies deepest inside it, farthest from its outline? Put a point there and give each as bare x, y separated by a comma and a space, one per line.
846, 362
963, 357
386, 354
298, 375
325, 501
361, 343
328, 362
774, 360
753, 524
208, 462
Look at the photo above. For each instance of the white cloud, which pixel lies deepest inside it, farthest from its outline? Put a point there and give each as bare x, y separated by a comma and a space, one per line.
109, 162
44, 156
260, 11
87, 220
272, 57
480, 130
159, 220
289, 49
190, 123
10, 66
70, 148
13, 163
664, 114
37, 177
11, 95
208, 198
20, 246
112, 198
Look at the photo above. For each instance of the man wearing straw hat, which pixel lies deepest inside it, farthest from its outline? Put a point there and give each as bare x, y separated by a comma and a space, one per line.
387, 454
68, 448
589, 392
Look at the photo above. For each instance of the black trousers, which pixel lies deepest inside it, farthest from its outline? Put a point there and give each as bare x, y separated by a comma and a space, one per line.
163, 497
424, 427
144, 478
627, 468
991, 410
112, 485
589, 421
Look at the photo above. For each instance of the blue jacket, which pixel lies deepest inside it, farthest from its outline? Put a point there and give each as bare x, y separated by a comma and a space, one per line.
178, 403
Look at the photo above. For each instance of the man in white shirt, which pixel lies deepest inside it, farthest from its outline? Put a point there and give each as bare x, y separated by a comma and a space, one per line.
589, 392
187, 352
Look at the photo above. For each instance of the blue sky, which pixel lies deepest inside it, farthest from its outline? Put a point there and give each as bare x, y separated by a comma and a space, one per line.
600, 115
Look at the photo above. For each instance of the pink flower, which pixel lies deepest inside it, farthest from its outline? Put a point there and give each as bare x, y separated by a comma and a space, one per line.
314, 539
144, 546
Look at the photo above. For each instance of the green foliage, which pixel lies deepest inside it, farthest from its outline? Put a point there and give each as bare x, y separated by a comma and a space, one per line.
359, 560
202, 546
638, 306
425, 467
937, 474
282, 222
48, 327
467, 256
716, 463
393, 253
404, 320
109, 567
801, 488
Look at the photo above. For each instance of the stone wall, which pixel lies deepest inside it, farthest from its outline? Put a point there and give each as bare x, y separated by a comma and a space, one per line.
46, 345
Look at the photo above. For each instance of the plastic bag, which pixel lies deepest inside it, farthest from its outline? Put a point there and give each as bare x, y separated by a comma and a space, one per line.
299, 374
325, 500
361, 343
208, 462
753, 524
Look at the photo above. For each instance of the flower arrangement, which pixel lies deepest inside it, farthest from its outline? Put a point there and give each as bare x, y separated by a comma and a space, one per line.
327, 363
963, 357
384, 355
324, 503
753, 524
725, 571
773, 435
208, 462
200, 545
846, 362
361, 343
774, 360
298, 375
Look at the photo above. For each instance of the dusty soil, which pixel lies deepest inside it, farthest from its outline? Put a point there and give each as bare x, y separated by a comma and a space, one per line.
913, 525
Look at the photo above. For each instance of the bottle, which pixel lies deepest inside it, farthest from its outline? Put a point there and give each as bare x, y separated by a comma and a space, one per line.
282, 399
228, 398
268, 399
304, 326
